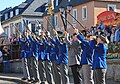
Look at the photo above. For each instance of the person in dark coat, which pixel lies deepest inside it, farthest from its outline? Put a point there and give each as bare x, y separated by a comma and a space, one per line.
74, 57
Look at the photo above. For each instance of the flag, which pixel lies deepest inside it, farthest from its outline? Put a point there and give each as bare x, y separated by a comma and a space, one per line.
50, 6
1, 29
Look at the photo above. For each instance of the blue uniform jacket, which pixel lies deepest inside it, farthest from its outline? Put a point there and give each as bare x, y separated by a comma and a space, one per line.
54, 51
87, 53
48, 48
99, 58
34, 47
28, 48
23, 49
41, 52
63, 52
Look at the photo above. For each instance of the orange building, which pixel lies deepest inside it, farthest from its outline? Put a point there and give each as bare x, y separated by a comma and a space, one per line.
85, 11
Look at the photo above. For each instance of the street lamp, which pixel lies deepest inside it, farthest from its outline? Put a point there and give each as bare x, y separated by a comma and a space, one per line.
69, 7
62, 9
66, 11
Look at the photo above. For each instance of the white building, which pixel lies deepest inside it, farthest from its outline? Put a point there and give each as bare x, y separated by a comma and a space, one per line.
30, 10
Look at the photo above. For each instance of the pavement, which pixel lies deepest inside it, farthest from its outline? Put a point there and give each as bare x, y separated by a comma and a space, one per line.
6, 82
13, 78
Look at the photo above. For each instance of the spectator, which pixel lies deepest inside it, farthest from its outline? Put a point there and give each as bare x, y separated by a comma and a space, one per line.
6, 42
99, 31
117, 34
13, 38
6, 54
112, 37
102, 26
1, 58
107, 33
92, 30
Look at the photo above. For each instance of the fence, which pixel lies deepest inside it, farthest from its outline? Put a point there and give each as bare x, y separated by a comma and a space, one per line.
11, 53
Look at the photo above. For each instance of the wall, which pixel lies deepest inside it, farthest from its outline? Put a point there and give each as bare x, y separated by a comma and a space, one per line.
100, 7
19, 19
87, 23
94, 8
113, 70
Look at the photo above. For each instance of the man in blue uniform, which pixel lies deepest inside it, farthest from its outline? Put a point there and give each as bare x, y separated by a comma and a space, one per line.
34, 58
48, 63
62, 60
54, 58
23, 56
41, 66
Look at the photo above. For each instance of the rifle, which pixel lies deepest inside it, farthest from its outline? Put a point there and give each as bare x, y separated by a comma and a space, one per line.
50, 23
68, 21
77, 21
26, 25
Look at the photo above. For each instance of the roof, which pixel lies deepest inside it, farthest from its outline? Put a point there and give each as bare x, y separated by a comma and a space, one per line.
64, 3
22, 7
39, 8
5, 10
3, 34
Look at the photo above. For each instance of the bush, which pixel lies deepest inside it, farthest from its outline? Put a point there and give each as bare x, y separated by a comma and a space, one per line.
113, 51
113, 48
113, 56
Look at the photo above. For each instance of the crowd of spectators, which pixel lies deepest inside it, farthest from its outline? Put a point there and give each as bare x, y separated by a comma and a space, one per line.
8, 47
112, 32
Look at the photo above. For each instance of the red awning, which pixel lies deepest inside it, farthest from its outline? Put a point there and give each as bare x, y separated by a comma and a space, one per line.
109, 18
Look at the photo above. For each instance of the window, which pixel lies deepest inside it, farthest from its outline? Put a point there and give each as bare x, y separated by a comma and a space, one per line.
11, 28
11, 14
20, 25
84, 13
111, 7
56, 2
33, 28
56, 20
74, 14
6, 16
16, 11
7, 30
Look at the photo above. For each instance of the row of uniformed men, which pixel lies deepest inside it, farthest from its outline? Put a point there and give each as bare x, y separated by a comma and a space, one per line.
44, 59
48, 58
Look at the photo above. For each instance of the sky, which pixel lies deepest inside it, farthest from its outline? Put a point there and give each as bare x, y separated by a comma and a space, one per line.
9, 3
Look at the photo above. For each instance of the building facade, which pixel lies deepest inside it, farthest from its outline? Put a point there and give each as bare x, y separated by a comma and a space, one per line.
12, 18
85, 11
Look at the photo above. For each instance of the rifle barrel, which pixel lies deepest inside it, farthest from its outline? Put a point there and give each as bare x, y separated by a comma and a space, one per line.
77, 21
68, 22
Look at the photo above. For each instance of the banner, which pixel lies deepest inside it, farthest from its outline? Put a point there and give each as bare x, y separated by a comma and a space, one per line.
1, 29
109, 18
